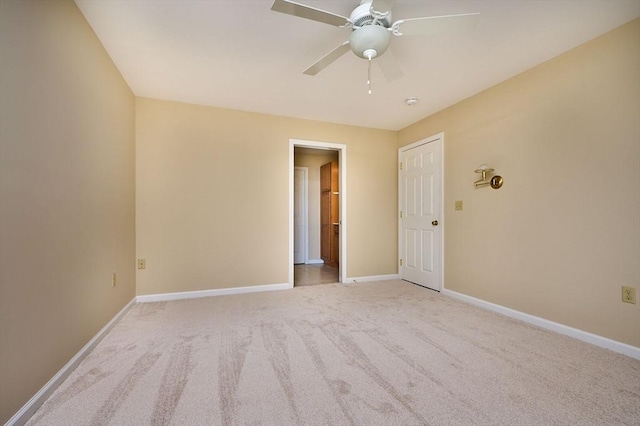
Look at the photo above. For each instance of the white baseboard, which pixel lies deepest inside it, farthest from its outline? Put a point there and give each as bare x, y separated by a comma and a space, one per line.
594, 339
373, 278
163, 297
315, 262
29, 409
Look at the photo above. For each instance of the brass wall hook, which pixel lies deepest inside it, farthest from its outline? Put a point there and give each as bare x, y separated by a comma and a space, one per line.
495, 182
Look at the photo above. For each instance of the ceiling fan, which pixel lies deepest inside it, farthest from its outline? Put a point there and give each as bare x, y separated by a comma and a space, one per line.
372, 28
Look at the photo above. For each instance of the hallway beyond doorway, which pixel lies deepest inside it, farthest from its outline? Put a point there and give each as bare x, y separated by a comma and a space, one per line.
305, 275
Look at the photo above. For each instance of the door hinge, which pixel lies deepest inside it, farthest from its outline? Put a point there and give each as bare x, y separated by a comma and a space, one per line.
400, 262
401, 165
400, 214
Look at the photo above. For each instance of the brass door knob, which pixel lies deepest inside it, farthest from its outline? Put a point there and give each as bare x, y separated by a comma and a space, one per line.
434, 223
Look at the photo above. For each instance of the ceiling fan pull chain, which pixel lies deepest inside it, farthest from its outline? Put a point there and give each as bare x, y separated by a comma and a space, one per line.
369, 75
369, 54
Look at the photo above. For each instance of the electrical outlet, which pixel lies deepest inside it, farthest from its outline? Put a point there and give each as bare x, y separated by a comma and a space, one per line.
142, 263
459, 205
113, 279
628, 294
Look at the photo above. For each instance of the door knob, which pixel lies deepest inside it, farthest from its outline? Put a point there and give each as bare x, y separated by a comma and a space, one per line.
434, 223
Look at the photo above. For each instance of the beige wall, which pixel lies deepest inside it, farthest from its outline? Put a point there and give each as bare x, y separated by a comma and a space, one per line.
67, 193
562, 236
313, 160
212, 196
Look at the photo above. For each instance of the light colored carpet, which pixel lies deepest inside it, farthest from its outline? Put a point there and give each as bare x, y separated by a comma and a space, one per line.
386, 353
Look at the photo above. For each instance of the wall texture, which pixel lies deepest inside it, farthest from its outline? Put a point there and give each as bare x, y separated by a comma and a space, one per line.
562, 235
212, 196
67, 194
313, 161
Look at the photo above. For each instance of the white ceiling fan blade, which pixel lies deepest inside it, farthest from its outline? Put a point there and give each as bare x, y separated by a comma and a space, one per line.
328, 59
308, 12
382, 6
434, 24
389, 66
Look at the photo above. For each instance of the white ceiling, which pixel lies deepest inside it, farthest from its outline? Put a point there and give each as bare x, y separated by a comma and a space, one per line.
239, 54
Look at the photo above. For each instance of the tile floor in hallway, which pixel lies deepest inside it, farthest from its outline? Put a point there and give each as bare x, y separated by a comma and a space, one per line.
304, 275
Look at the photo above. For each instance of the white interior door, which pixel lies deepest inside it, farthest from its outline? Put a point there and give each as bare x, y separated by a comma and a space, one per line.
300, 215
421, 213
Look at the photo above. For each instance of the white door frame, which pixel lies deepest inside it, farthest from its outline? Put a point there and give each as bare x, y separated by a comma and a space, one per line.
304, 214
442, 220
342, 162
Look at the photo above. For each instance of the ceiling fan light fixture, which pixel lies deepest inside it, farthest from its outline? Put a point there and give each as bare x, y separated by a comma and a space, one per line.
370, 53
370, 37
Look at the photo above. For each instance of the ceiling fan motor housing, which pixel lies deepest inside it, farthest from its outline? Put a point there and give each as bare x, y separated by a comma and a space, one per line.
362, 16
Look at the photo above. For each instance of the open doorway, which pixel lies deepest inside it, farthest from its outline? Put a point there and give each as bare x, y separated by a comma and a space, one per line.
317, 241
316, 225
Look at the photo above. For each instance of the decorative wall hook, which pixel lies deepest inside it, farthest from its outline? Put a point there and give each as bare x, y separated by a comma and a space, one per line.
495, 182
